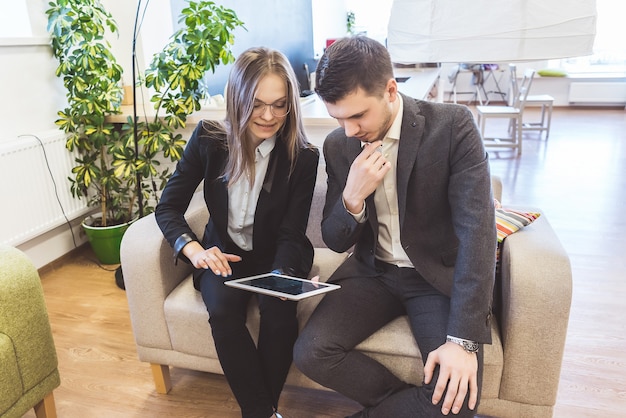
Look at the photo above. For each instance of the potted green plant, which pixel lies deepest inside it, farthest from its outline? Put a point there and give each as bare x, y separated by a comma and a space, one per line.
92, 78
116, 168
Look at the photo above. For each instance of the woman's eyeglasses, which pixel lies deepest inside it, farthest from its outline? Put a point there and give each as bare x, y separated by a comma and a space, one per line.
279, 108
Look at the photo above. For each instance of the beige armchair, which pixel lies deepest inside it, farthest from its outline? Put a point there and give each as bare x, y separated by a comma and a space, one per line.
522, 366
28, 360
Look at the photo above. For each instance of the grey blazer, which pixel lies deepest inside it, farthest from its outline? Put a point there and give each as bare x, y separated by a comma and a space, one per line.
447, 220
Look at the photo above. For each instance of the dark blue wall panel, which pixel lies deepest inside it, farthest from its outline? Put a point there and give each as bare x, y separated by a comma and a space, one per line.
286, 25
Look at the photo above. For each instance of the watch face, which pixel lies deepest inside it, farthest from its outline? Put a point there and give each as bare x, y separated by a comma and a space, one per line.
469, 346
472, 347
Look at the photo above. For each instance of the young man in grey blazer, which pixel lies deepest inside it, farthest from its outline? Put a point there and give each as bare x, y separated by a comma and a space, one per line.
409, 187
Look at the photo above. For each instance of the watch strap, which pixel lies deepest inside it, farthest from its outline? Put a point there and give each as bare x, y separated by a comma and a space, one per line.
468, 345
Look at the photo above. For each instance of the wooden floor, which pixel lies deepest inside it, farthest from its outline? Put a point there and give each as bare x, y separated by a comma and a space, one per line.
577, 177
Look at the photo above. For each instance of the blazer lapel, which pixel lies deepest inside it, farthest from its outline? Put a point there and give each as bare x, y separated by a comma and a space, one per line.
354, 148
268, 181
218, 209
270, 196
410, 139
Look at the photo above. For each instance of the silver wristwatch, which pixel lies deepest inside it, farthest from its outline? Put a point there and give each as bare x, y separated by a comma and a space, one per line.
469, 346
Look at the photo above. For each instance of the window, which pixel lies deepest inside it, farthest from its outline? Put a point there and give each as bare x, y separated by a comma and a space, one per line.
609, 55
14, 20
371, 18
23, 22
609, 48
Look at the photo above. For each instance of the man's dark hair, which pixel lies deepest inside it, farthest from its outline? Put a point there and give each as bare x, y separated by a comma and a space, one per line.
351, 63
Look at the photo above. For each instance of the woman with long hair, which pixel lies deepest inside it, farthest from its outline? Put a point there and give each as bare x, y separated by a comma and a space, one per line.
259, 173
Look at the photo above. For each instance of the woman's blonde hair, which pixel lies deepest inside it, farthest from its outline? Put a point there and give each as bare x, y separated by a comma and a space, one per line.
249, 68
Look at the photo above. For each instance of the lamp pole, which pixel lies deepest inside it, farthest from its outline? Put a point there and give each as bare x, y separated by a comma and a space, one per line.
135, 118
119, 275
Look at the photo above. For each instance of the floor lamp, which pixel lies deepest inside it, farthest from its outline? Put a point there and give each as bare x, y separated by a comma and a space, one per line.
119, 275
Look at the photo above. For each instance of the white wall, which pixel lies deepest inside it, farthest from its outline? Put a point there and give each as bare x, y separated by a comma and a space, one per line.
31, 93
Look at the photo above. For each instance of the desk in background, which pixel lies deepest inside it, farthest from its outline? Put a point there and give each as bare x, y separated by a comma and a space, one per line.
481, 73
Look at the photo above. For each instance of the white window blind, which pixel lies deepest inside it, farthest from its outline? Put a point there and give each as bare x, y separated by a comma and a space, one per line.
490, 31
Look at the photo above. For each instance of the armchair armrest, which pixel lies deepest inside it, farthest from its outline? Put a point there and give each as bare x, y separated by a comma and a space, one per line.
150, 273
536, 298
27, 352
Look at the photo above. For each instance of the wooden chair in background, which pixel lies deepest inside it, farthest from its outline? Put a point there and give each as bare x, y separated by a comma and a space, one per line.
544, 100
514, 113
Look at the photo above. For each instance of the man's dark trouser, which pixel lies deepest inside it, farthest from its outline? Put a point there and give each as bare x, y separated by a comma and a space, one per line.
344, 318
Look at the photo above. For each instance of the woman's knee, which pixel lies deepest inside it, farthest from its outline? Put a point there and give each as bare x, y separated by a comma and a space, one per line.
224, 322
225, 315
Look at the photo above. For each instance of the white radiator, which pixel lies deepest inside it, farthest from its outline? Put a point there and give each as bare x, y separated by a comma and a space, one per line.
31, 203
597, 92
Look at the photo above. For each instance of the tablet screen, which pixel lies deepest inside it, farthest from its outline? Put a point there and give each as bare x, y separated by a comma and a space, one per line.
282, 286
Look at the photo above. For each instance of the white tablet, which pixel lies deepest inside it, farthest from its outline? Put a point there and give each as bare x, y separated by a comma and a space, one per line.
282, 286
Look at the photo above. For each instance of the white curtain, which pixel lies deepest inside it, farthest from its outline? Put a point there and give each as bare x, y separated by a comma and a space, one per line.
487, 31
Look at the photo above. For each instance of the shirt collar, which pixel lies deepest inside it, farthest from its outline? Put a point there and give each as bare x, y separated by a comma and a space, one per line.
266, 146
396, 126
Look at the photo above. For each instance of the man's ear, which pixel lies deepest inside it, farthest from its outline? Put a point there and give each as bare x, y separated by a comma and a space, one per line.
392, 89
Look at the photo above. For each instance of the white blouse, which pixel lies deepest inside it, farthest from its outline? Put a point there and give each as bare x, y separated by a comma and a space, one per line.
243, 197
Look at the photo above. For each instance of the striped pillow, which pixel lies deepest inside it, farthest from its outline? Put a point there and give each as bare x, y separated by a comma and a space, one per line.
509, 221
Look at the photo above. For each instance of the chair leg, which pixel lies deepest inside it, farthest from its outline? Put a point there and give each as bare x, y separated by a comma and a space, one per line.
519, 127
481, 124
538, 126
543, 115
549, 120
161, 376
454, 91
480, 86
46, 408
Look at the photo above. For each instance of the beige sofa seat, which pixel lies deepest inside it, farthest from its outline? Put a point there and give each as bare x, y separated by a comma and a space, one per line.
522, 366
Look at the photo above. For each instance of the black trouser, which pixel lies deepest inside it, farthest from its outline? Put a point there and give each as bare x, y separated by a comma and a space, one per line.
256, 373
344, 318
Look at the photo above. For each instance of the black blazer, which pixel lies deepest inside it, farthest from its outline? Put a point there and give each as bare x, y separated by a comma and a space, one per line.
280, 222
447, 219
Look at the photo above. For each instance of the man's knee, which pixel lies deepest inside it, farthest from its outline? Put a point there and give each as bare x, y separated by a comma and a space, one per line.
313, 353
303, 356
